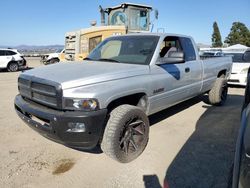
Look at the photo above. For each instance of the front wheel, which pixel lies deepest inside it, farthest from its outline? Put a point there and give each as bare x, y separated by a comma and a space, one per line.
218, 94
126, 134
55, 60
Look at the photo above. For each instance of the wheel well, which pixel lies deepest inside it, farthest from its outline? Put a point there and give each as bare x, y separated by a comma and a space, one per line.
55, 58
11, 62
130, 99
222, 73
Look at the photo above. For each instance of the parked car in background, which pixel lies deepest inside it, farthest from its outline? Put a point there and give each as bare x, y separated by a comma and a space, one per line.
241, 63
241, 173
212, 53
11, 60
52, 58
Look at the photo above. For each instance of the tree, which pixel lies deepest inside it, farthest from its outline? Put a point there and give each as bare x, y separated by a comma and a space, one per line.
239, 34
216, 36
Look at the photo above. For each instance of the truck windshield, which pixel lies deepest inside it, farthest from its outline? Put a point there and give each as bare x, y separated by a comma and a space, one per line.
58, 51
126, 49
238, 57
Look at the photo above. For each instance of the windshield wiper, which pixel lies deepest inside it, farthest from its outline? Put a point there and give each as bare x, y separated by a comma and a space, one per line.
107, 59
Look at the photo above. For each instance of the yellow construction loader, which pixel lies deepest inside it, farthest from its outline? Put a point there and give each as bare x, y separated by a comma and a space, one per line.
118, 20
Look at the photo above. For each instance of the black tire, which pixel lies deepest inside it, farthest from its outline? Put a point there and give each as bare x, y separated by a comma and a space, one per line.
218, 94
45, 62
52, 61
12, 67
126, 134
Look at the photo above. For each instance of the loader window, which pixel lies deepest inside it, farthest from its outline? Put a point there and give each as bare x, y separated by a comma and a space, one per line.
138, 19
118, 18
93, 42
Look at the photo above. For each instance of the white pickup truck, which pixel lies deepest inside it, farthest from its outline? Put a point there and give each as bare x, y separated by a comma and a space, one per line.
106, 100
52, 58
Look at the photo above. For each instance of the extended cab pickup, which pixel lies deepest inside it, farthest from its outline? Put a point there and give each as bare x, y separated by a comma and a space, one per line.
106, 99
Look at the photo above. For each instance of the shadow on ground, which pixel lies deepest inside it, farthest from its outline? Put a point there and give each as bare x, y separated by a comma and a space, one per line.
206, 159
164, 114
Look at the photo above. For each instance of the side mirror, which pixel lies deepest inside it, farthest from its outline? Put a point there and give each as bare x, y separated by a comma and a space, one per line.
156, 14
172, 58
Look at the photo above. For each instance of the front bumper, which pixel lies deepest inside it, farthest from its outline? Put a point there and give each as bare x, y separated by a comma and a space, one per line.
44, 58
53, 124
22, 63
238, 79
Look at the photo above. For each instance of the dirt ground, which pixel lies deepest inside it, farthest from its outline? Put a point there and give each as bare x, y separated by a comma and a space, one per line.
191, 145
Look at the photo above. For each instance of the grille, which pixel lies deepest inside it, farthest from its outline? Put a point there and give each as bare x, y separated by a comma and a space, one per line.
42, 93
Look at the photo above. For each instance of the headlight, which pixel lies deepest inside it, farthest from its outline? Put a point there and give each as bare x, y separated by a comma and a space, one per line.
244, 71
81, 104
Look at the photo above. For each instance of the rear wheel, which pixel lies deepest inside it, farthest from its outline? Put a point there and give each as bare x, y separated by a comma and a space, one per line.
126, 134
218, 94
12, 67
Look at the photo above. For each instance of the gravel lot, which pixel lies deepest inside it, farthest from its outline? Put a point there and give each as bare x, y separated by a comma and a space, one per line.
191, 145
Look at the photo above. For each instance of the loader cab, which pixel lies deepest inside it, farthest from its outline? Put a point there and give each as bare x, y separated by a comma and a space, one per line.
118, 20
136, 18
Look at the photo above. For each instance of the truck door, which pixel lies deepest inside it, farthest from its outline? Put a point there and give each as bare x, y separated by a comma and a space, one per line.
175, 82
193, 67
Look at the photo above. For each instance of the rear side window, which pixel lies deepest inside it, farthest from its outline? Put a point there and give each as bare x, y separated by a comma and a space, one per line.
2, 53
8, 52
188, 49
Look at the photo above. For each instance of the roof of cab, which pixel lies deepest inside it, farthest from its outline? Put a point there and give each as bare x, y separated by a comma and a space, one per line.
156, 34
10, 49
131, 4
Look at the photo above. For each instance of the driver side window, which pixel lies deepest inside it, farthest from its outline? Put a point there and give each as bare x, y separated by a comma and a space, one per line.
170, 44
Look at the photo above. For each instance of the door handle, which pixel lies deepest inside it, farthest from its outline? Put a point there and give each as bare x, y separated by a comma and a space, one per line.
187, 69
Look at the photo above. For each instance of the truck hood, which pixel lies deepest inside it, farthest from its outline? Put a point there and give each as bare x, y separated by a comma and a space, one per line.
53, 55
238, 67
75, 74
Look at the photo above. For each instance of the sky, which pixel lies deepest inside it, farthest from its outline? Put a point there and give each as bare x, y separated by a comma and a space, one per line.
45, 22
